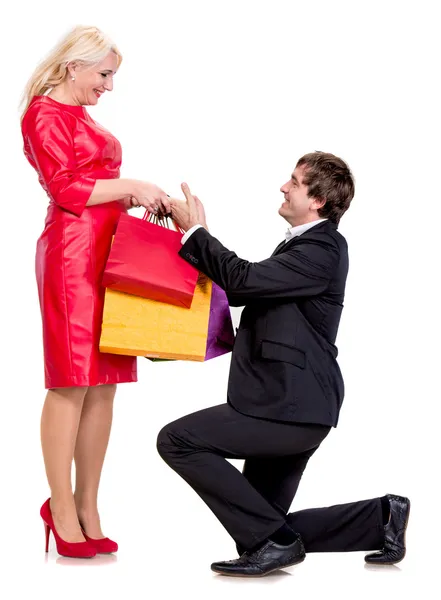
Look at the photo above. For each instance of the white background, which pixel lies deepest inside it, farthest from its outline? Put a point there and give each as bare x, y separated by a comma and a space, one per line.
227, 96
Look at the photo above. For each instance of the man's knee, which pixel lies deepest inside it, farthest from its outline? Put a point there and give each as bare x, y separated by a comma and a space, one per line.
163, 441
169, 442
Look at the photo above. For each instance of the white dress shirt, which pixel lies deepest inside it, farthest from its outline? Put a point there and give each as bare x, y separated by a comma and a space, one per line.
189, 232
291, 232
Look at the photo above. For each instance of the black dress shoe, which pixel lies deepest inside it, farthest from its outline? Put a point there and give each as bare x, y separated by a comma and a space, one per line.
267, 558
394, 548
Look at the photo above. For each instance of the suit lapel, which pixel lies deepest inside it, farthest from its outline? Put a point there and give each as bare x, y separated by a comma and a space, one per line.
279, 247
284, 245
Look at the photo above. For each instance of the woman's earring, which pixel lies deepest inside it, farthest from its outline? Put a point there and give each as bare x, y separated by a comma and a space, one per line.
73, 78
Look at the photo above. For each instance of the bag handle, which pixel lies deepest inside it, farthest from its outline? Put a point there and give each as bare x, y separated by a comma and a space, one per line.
161, 220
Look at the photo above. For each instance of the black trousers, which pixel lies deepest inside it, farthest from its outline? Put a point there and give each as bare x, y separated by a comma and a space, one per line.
253, 504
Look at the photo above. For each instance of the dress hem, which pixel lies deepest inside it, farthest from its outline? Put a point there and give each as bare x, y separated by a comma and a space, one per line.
84, 381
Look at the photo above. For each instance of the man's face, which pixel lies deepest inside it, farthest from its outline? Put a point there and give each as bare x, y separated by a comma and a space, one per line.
298, 208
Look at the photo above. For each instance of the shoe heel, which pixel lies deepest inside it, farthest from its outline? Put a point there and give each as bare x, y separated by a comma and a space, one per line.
47, 531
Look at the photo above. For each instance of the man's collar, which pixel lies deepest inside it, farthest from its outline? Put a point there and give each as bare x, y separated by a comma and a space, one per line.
299, 229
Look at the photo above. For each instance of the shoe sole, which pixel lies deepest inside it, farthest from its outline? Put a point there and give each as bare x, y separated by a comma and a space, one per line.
296, 562
80, 557
395, 562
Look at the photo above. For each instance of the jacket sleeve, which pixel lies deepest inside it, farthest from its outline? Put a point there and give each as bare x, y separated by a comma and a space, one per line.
50, 143
304, 270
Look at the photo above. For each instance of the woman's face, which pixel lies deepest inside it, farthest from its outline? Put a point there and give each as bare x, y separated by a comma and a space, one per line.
91, 82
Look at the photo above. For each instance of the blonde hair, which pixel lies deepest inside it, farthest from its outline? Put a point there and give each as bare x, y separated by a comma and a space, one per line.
87, 45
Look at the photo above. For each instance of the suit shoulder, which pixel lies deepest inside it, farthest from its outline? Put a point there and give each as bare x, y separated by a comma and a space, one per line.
330, 232
326, 236
340, 238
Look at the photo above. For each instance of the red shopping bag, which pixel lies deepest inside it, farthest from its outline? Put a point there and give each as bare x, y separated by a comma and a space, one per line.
144, 261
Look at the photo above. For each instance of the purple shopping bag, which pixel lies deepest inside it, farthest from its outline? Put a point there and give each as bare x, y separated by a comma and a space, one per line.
220, 337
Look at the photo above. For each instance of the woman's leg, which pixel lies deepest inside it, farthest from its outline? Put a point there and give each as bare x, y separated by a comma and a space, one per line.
59, 427
90, 450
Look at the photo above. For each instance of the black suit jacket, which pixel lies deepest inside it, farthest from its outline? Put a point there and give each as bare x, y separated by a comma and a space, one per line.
283, 365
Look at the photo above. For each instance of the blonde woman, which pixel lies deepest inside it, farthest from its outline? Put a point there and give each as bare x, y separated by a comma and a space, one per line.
78, 164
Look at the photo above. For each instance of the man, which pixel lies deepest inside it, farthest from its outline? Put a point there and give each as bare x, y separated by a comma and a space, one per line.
285, 387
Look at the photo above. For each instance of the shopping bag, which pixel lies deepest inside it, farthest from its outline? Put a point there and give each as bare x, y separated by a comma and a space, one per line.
136, 326
220, 338
144, 261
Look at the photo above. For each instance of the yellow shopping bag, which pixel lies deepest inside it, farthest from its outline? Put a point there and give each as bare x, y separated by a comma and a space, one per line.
136, 326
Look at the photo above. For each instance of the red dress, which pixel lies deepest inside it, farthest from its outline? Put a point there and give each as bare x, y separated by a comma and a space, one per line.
70, 151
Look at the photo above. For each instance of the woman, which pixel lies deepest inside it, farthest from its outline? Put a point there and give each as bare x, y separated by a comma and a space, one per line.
78, 164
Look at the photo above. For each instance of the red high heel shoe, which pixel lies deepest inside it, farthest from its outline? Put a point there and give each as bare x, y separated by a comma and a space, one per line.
71, 549
103, 545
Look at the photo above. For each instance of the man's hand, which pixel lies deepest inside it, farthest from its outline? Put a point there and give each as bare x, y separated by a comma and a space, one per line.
189, 213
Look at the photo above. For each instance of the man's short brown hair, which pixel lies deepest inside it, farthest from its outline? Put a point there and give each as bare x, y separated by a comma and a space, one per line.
329, 178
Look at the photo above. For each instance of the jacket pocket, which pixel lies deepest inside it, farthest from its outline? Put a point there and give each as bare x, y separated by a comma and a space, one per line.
283, 353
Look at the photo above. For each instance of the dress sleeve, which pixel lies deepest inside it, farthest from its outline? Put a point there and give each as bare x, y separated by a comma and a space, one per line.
51, 144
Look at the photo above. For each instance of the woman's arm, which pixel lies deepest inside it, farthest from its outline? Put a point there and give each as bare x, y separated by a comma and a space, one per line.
146, 194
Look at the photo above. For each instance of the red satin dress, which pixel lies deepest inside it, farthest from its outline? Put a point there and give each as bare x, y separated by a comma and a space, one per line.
70, 151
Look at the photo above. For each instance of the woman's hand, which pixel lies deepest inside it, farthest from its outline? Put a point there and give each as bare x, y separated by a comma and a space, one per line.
151, 197
129, 202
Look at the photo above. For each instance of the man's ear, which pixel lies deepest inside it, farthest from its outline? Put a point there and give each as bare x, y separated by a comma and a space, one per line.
318, 203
